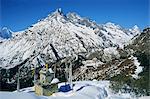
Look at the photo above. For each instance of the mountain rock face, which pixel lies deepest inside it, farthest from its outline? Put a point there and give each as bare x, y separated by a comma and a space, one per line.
59, 36
141, 43
141, 48
107, 70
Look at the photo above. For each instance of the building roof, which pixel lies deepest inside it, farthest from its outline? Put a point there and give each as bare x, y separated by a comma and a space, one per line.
54, 81
50, 70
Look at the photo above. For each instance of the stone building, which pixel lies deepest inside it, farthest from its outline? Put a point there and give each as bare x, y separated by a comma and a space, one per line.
47, 84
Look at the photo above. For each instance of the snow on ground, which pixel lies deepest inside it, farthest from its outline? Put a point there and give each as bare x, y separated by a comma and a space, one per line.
17, 95
81, 90
29, 89
145, 97
139, 68
110, 52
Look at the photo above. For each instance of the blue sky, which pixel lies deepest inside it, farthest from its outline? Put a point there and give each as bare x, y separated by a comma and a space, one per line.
19, 14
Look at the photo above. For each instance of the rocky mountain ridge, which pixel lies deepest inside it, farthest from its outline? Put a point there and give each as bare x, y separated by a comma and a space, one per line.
68, 34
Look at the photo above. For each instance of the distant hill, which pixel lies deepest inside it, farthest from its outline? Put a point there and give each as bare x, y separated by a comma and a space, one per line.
5, 33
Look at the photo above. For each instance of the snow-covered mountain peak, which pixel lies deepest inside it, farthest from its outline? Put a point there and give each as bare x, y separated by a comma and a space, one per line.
112, 25
57, 13
135, 27
68, 34
73, 15
78, 20
6, 29
135, 30
5, 33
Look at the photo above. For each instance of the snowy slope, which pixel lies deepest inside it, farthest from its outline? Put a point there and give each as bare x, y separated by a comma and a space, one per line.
117, 34
81, 90
68, 34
